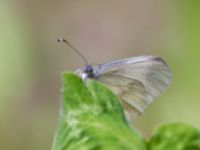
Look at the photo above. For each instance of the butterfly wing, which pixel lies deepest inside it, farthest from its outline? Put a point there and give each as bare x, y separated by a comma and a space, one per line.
137, 81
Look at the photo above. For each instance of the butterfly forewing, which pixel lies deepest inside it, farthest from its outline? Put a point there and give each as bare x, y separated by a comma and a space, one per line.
136, 81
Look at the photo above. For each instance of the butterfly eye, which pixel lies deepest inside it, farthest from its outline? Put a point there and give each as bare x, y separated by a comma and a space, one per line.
88, 69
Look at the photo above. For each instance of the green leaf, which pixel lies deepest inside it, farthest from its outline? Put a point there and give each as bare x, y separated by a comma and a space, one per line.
177, 136
91, 118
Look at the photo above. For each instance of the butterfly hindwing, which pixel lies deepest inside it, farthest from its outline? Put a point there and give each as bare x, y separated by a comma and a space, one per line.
133, 102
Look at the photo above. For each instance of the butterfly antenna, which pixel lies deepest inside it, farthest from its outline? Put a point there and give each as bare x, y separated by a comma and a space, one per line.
65, 41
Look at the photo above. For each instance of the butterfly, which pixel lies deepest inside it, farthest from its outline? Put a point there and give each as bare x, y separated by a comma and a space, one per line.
137, 81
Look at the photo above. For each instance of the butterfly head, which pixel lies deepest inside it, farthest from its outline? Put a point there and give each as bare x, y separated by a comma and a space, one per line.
88, 72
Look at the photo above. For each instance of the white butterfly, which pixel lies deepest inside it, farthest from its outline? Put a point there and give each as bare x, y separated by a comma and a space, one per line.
137, 81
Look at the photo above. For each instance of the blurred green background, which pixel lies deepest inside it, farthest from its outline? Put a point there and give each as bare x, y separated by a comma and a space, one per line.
31, 61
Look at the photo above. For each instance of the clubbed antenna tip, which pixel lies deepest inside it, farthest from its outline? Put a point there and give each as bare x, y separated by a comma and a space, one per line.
60, 40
